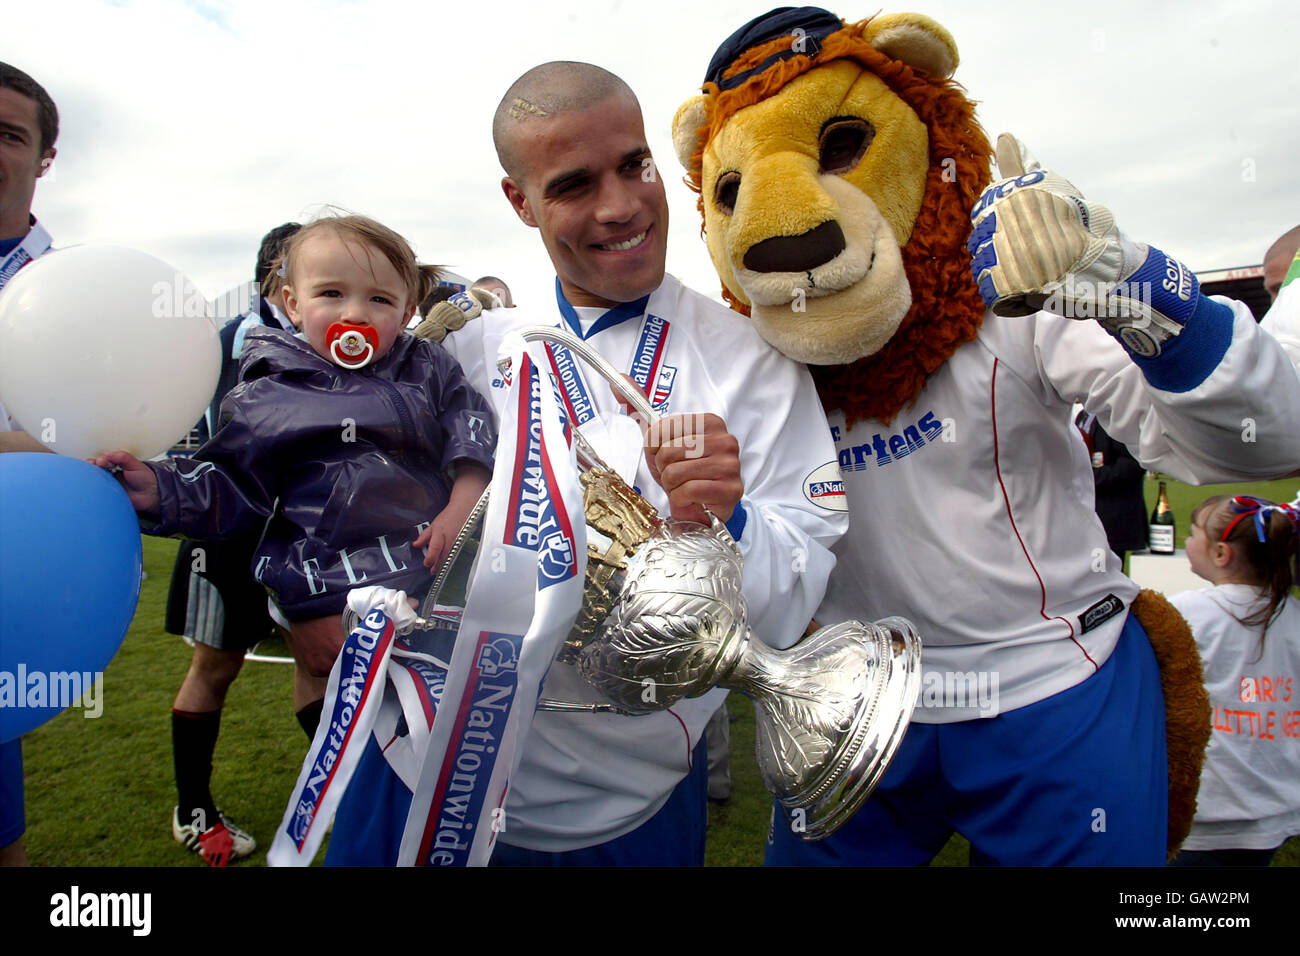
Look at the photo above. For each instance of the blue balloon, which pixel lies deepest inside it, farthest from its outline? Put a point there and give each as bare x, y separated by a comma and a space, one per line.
70, 563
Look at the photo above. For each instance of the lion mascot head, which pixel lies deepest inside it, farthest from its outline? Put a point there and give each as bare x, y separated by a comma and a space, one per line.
837, 165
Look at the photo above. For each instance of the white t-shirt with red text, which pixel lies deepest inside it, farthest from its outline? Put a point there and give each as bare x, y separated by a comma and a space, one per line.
1250, 785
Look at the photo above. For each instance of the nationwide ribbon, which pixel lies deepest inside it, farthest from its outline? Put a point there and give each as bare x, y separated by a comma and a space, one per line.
647, 368
355, 693
35, 244
524, 594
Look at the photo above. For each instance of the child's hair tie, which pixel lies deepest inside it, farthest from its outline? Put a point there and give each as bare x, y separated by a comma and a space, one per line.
283, 271
1248, 506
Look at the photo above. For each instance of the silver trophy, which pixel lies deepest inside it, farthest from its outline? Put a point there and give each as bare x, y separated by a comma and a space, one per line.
663, 618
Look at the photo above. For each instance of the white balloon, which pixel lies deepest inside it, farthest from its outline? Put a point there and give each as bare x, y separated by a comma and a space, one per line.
103, 347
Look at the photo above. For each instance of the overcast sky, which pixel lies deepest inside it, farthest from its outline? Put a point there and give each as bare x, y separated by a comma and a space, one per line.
188, 129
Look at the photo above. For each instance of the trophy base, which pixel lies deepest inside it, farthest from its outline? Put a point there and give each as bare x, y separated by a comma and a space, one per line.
835, 786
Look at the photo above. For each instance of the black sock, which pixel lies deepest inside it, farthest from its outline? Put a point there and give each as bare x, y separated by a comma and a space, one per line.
309, 718
194, 738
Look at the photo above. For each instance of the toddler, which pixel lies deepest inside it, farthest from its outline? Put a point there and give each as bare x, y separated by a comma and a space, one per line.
354, 444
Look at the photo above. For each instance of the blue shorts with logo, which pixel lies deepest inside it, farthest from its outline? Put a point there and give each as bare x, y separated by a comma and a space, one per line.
1080, 778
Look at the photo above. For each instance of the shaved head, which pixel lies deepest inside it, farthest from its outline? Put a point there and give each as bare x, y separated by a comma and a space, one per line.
562, 86
1278, 260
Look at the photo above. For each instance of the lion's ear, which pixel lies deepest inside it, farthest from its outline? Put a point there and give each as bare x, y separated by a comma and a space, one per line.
916, 40
691, 116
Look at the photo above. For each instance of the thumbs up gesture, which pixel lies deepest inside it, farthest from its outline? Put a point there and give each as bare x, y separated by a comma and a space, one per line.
1038, 244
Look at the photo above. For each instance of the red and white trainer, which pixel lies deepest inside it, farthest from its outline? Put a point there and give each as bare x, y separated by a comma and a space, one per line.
219, 844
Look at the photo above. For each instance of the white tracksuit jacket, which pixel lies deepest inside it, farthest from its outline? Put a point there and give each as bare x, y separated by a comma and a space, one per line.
587, 779
972, 512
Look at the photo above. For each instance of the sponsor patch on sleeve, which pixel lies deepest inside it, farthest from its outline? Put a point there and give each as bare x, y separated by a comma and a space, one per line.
824, 487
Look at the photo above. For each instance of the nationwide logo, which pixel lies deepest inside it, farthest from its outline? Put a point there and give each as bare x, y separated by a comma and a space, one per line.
536, 518
11, 268
498, 656
466, 773
663, 387
824, 487
574, 391
556, 560
647, 361
428, 680
364, 648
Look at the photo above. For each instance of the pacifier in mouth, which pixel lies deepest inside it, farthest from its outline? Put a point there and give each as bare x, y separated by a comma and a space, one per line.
351, 346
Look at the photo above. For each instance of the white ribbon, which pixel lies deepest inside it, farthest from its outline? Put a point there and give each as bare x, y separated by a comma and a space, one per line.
525, 592
355, 693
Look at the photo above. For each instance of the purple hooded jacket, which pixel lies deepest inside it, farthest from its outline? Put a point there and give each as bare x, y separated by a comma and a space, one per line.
349, 466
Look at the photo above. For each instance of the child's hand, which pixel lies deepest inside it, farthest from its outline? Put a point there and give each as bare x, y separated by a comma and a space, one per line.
136, 477
437, 539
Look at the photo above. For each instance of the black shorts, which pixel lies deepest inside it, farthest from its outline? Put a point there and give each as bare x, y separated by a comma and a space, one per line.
214, 599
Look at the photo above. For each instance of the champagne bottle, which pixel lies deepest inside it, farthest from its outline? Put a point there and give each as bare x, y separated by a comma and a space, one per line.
1160, 537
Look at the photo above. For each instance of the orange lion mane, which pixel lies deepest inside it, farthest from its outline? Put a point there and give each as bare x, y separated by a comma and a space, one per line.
946, 307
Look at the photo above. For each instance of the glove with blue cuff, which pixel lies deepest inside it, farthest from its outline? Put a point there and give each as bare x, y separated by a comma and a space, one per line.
1038, 244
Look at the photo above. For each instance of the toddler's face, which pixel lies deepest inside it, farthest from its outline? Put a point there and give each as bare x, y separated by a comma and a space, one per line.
333, 280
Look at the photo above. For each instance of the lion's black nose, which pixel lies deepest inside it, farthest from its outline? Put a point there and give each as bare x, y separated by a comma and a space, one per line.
797, 253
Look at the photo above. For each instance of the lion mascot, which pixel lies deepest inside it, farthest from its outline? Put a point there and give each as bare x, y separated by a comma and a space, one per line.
838, 166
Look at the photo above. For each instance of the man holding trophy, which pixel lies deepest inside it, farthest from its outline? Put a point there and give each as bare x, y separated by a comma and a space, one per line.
743, 435
620, 569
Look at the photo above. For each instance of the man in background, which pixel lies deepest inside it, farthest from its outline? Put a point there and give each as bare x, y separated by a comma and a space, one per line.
497, 288
1282, 320
29, 126
1278, 261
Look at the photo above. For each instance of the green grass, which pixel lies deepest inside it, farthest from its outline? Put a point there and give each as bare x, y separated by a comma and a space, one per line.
100, 792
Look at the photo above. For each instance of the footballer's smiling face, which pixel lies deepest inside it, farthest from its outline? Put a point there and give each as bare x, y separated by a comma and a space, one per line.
588, 183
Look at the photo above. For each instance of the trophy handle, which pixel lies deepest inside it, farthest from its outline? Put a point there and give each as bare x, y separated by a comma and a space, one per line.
467, 532
621, 386
550, 334
427, 619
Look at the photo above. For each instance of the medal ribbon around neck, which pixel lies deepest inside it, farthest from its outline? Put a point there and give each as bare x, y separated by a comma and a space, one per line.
647, 356
35, 244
